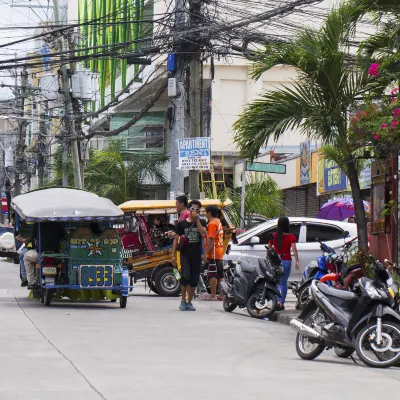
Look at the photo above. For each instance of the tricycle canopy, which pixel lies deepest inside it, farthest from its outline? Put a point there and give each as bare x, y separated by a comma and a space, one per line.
165, 206
64, 204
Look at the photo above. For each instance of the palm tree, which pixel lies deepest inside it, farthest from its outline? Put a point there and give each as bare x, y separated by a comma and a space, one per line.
262, 196
122, 177
317, 104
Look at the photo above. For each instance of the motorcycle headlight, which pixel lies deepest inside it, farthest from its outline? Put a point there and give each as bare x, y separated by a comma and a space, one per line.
374, 293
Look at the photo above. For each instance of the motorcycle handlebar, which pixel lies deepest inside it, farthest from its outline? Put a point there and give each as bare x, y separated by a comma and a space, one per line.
351, 241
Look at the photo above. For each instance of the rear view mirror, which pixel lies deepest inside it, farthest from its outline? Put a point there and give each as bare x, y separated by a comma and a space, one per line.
346, 234
270, 237
254, 240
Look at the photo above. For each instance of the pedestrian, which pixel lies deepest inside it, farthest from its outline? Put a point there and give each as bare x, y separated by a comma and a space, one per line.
214, 252
283, 242
186, 253
352, 220
182, 205
21, 253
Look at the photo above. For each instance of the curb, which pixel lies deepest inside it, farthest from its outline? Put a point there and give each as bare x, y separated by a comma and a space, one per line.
284, 317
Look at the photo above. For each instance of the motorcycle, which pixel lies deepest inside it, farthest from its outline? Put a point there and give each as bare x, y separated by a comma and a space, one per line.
339, 318
254, 286
330, 264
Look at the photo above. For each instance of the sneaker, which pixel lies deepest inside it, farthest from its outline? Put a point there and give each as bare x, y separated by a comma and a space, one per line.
190, 307
183, 306
24, 283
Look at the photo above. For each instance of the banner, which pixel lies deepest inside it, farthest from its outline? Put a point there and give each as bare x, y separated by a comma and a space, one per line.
305, 163
334, 178
194, 153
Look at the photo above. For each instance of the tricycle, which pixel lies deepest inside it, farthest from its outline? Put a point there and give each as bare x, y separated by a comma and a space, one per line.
148, 256
74, 246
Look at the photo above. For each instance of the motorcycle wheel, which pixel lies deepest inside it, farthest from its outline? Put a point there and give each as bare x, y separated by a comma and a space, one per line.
255, 312
229, 304
303, 298
316, 348
379, 356
343, 353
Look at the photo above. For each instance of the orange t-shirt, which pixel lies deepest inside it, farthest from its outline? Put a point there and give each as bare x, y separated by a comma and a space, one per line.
216, 232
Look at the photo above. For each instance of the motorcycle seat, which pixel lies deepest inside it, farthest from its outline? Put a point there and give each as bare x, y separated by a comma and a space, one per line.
353, 267
338, 293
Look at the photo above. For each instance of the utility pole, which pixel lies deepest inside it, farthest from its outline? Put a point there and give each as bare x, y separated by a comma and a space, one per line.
42, 147
22, 124
195, 92
69, 122
178, 127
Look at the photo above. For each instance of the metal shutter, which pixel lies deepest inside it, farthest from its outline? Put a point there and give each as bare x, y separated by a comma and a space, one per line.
312, 201
295, 202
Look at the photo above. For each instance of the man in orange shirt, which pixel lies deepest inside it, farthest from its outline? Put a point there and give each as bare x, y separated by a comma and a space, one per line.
214, 251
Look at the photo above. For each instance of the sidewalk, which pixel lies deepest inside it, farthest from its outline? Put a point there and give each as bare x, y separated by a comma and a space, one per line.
284, 317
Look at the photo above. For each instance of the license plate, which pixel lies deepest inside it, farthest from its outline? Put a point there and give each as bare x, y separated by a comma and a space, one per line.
49, 271
96, 276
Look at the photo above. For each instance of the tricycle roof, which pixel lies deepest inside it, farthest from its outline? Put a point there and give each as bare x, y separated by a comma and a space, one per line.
165, 206
64, 204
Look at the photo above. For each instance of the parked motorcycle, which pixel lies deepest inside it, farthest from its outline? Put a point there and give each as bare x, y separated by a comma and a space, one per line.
339, 318
254, 286
329, 263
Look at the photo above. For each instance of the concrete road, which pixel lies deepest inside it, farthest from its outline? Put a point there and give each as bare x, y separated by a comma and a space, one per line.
152, 351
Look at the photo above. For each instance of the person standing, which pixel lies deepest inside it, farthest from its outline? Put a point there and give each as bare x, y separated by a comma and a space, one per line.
190, 231
214, 251
283, 242
181, 203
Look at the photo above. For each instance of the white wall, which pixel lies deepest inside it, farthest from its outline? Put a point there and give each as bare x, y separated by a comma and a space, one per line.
232, 89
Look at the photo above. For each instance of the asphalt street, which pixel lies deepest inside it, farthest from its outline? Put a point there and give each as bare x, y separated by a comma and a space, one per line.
150, 350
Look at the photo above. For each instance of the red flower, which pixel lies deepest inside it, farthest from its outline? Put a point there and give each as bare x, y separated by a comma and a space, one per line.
373, 69
396, 112
377, 136
384, 126
395, 123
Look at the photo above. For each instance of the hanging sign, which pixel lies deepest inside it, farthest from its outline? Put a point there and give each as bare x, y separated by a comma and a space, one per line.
45, 51
305, 163
194, 153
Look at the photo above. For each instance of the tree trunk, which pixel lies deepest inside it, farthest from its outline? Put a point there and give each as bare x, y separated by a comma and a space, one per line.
358, 207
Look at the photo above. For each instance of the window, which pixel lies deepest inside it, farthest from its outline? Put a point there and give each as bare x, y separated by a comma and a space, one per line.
154, 140
295, 230
134, 141
325, 233
265, 236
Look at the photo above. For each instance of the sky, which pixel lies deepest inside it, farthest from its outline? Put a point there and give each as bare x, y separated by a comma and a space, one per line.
12, 17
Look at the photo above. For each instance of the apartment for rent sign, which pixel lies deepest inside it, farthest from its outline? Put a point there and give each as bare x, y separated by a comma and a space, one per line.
194, 153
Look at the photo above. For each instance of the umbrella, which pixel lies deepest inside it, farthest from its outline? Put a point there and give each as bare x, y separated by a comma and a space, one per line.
340, 209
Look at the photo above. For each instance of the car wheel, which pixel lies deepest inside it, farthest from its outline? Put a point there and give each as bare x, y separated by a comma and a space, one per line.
166, 283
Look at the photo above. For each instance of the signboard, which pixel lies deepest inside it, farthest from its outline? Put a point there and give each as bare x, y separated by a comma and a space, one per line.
365, 176
194, 153
266, 167
334, 178
305, 163
45, 51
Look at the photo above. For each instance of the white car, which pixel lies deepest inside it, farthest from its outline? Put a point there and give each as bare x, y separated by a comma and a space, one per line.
251, 244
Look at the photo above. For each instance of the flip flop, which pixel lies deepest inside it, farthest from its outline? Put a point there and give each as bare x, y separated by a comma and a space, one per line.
209, 298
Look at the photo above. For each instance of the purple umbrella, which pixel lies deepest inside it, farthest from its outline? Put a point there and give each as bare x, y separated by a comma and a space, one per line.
339, 209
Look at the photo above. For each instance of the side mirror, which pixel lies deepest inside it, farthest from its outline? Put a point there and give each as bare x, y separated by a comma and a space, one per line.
254, 240
270, 237
346, 234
